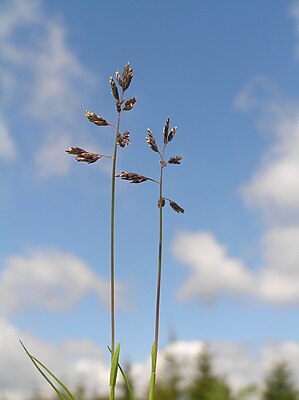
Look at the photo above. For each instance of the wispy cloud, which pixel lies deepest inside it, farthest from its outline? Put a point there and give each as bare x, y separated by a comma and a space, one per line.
50, 280
7, 146
41, 69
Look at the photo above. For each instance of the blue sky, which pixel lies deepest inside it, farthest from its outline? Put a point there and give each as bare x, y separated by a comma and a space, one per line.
227, 75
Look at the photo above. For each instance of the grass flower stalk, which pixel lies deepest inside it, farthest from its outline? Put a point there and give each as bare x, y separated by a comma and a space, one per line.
82, 155
133, 177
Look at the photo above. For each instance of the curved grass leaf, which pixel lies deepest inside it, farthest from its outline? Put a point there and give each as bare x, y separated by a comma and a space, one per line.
113, 371
36, 363
129, 388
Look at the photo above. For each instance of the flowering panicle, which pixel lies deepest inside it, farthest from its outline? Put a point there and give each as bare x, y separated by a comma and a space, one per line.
176, 160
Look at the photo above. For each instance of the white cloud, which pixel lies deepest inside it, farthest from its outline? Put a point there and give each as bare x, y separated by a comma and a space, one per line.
213, 272
43, 72
51, 280
7, 145
274, 186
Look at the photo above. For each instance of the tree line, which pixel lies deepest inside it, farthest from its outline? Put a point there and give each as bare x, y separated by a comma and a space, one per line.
205, 385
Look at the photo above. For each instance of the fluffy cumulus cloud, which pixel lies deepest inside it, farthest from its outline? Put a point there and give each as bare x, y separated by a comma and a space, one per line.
42, 79
214, 273
49, 279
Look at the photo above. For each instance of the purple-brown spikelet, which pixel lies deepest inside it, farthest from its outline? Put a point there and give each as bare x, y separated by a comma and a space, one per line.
129, 104
176, 207
75, 150
114, 89
95, 119
133, 177
151, 141
85, 156
127, 77
165, 131
118, 78
175, 160
171, 133
123, 140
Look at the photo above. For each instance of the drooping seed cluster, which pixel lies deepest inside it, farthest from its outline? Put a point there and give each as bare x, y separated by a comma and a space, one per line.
133, 177
122, 140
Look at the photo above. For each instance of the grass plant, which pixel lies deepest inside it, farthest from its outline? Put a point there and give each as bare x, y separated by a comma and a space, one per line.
81, 155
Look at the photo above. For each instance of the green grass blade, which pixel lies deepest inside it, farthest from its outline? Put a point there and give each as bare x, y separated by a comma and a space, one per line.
114, 366
62, 397
153, 374
129, 388
36, 362
55, 378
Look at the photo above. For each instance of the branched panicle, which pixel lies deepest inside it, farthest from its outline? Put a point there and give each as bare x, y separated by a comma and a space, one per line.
95, 119
175, 160
129, 104
132, 177
151, 141
165, 131
123, 140
114, 89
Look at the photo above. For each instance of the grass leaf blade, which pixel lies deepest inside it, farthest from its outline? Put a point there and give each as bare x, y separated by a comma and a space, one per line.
62, 397
128, 385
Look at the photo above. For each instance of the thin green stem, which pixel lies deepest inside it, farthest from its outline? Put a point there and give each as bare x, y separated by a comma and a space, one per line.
112, 230
159, 260
159, 279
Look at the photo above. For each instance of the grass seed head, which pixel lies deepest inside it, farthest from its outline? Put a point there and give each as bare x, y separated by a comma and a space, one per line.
132, 177
176, 207
95, 119
127, 77
129, 104
165, 131
124, 139
175, 160
114, 88
151, 141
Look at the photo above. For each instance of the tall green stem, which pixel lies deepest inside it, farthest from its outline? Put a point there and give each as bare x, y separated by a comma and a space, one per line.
112, 229
155, 346
159, 261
